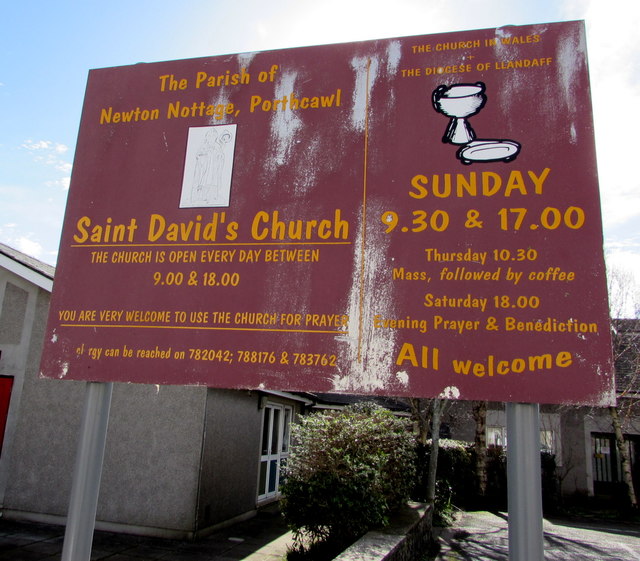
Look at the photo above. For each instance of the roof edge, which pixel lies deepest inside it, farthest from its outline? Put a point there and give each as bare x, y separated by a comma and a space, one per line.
29, 268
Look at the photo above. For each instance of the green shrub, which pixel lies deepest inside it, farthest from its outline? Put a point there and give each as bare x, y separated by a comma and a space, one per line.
347, 471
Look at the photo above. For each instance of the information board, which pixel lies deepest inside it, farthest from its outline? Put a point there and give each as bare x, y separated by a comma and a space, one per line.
413, 216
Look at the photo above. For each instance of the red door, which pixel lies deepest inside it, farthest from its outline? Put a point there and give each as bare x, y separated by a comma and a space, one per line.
6, 382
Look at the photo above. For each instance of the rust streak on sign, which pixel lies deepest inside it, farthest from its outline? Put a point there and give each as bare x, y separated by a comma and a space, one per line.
364, 216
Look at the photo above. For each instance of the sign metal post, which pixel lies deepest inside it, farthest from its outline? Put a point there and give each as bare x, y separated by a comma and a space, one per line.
524, 487
83, 503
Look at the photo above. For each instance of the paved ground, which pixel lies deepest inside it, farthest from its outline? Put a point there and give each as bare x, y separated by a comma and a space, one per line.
476, 536
263, 538
484, 536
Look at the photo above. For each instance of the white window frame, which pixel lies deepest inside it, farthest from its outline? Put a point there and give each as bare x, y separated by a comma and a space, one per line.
275, 443
549, 432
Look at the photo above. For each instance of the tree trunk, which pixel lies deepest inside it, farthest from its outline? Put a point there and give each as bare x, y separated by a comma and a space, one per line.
420, 415
625, 460
480, 441
437, 406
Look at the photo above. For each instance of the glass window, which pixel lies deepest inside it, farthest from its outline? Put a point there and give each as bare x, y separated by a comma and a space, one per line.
286, 435
547, 441
496, 436
262, 484
275, 431
266, 424
274, 449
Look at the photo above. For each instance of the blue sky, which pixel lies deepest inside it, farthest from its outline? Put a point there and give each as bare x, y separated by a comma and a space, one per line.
47, 49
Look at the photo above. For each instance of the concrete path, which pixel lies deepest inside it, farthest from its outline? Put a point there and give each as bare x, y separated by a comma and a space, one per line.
484, 536
263, 538
476, 536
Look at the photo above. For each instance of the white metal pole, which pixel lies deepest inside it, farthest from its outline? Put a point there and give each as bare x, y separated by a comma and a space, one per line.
87, 472
524, 487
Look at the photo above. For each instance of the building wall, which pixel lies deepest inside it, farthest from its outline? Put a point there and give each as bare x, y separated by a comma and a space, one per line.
458, 417
23, 311
178, 460
576, 452
152, 458
231, 453
151, 471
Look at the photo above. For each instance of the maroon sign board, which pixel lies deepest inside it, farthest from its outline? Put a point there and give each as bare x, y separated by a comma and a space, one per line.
415, 216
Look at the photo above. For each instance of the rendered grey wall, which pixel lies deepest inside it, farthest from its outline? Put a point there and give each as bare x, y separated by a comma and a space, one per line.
41, 457
230, 463
177, 459
154, 442
152, 476
574, 462
44, 449
152, 457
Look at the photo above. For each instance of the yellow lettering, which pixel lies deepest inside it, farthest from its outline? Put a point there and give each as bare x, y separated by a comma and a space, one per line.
407, 353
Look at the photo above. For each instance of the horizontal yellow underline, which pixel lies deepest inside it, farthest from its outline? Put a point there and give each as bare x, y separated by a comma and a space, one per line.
211, 244
208, 328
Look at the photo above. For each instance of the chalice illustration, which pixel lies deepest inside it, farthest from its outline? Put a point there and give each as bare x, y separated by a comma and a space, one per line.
459, 102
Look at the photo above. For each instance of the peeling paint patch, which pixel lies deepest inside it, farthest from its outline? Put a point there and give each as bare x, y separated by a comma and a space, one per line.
403, 378
64, 370
394, 54
569, 50
222, 98
284, 124
609, 397
606, 398
369, 354
54, 337
573, 134
501, 32
450, 392
307, 178
366, 73
245, 59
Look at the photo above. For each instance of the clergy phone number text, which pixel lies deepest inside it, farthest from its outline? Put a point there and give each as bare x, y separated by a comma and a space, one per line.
263, 357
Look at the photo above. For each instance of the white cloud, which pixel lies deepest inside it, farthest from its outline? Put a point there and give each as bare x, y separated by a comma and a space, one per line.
29, 221
356, 21
30, 247
49, 153
45, 145
614, 53
17, 236
62, 183
20, 242
64, 167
